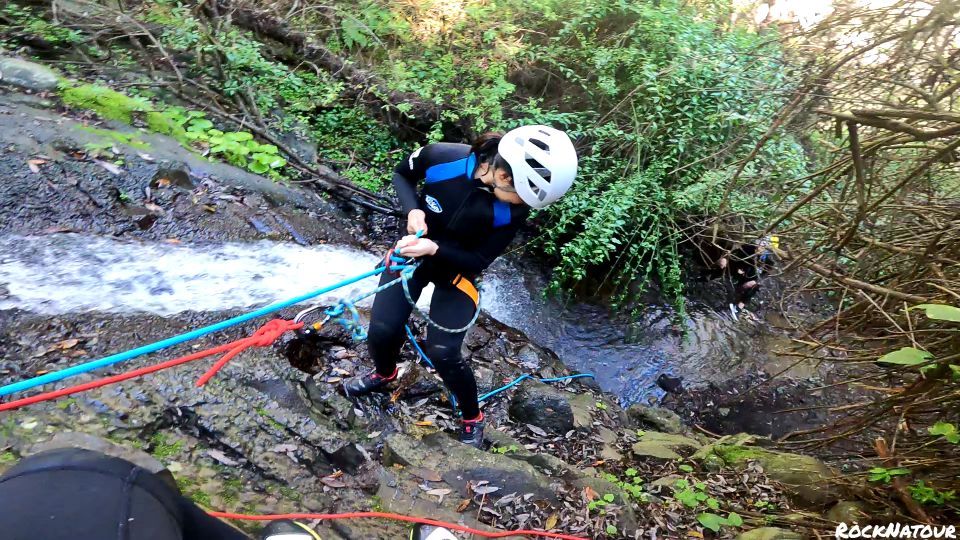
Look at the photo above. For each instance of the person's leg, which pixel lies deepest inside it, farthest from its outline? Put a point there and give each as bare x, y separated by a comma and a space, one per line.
386, 334
389, 314
452, 306
747, 291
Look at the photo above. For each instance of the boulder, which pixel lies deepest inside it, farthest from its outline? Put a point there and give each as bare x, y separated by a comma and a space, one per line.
662, 420
27, 75
658, 445
172, 173
807, 480
847, 512
769, 533
458, 464
543, 406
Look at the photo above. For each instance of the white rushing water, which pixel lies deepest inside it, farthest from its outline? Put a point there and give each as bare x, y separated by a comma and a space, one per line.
69, 273
76, 273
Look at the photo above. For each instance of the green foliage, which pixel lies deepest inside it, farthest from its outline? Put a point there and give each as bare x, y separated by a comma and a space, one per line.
715, 522
928, 495
884, 475
906, 356
29, 22
162, 449
234, 61
363, 148
947, 430
632, 486
505, 449
940, 312
601, 503
667, 104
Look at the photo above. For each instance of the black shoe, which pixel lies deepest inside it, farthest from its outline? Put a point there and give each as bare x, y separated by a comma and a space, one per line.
471, 432
285, 529
371, 382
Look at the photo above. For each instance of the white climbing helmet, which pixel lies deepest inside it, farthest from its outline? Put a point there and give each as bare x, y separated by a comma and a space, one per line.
543, 160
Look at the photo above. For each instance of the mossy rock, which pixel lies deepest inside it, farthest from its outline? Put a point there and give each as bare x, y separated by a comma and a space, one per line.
848, 512
807, 479
770, 533
654, 444
108, 103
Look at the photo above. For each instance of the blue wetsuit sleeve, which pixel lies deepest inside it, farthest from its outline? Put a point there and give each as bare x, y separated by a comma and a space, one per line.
475, 260
408, 174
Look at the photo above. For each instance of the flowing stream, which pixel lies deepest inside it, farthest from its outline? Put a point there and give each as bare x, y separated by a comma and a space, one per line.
69, 273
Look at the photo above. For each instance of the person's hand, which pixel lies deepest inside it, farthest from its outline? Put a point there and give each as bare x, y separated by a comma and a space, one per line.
416, 221
411, 246
722, 263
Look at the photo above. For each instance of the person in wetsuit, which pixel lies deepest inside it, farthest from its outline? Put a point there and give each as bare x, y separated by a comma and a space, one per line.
78, 494
473, 200
744, 266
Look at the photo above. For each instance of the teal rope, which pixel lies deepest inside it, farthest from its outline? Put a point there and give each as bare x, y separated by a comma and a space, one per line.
169, 342
405, 274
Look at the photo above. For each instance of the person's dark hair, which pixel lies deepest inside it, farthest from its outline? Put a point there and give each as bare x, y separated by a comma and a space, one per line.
485, 148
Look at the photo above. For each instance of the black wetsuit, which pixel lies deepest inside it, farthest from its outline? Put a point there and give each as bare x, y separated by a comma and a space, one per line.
73, 494
471, 228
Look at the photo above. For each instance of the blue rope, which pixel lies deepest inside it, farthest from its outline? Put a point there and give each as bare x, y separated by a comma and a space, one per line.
170, 342
488, 395
516, 381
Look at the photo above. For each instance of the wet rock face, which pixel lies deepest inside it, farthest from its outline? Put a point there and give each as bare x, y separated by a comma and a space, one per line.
27, 75
542, 406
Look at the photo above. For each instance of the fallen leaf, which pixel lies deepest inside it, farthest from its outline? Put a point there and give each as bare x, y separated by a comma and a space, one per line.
551, 522
172, 241
145, 157
424, 423
210, 208
440, 493
283, 448
154, 208
55, 230
426, 474
222, 458
29, 425
34, 165
537, 430
334, 380
374, 435
333, 482
108, 166
589, 494
463, 505
484, 490
67, 344
695, 534
43, 372
163, 182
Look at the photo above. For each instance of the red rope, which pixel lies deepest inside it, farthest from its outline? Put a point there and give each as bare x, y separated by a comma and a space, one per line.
398, 517
264, 337
272, 331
